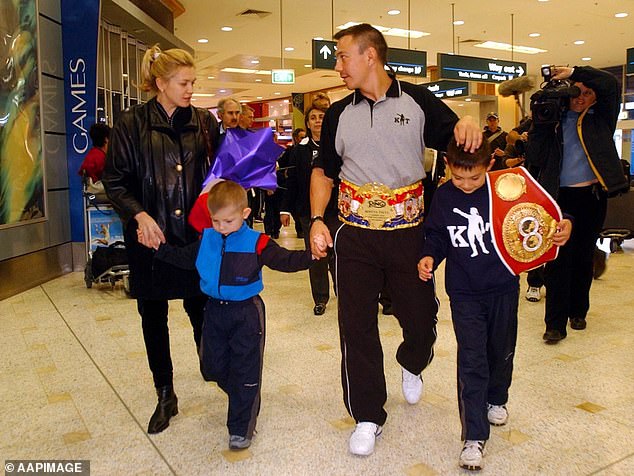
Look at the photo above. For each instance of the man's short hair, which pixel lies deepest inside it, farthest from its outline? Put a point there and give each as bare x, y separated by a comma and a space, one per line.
223, 101
366, 35
459, 158
297, 132
226, 194
98, 133
246, 107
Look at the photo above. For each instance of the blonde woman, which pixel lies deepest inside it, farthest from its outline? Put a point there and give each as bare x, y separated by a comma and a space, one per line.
156, 164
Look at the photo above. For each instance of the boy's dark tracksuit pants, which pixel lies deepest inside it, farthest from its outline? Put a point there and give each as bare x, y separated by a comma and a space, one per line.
486, 333
231, 354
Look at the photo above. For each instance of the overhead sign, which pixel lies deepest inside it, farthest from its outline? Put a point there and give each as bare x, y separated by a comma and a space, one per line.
283, 76
402, 61
324, 54
629, 63
472, 68
448, 89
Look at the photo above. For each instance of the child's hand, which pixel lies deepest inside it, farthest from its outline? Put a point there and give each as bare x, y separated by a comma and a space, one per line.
561, 236
320, 243
425, 267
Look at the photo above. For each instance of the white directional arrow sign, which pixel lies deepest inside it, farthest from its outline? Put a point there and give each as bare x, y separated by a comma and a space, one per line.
325, 51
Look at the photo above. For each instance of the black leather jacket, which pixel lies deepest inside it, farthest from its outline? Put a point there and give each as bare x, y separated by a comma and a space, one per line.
158, 166
596, 126
153, 167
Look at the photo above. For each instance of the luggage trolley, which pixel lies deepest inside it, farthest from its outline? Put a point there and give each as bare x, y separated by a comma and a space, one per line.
106, 256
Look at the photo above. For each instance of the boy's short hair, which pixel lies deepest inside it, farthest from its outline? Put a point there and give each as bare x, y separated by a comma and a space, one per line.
226, 194
459, 158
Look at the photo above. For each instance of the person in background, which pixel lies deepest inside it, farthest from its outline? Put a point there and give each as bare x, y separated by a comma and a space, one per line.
496, 138
576, 161
246, 117
155, 167
297, 199
229, 114
483, 296
95, 160
229, 259
372, 142
284, 168
321, 100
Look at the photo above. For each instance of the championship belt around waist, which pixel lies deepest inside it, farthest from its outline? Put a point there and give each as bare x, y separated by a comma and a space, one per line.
524, 219
378, 207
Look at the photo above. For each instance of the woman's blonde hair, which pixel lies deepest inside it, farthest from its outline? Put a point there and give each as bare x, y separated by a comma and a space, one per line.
162, 64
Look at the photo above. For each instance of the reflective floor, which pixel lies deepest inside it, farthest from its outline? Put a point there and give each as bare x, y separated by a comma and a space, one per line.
74, 384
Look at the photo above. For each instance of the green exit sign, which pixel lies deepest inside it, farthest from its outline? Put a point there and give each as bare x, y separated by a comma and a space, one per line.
283, 76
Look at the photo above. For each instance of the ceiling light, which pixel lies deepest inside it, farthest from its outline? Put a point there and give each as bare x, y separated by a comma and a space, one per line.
542, 0
468, 100
318, 38
586, 58
394, 12
246, 71
255, 61
258, 80
308, 66
492, 45
204, 95
226, 28
222, 90
534, 35
259, 97
285, 101
289, 48
389, 31
277, 94
620, 15
458, 22
211, 77
203, 40
579, 42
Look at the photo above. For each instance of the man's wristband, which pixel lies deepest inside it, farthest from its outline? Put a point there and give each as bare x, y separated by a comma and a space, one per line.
316, 218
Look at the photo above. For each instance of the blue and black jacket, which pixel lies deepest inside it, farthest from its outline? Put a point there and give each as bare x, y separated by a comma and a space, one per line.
230, 267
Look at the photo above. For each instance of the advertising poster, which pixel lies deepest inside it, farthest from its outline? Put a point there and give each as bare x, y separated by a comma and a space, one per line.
21, 168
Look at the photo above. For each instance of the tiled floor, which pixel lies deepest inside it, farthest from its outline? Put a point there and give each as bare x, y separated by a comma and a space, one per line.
74, 384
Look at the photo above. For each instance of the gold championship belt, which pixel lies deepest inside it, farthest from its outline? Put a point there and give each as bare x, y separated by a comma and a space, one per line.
524, 218
378, 207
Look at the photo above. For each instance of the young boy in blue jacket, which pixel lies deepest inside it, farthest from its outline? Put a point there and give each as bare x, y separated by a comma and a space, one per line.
229, 258
482, 291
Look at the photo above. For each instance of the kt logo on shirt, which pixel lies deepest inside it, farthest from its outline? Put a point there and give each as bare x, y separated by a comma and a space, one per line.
401, 119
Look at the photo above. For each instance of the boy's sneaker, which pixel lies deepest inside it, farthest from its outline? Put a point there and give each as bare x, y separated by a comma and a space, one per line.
497, 414
362, 439
238, 442
412, 386
471, 455
533, 294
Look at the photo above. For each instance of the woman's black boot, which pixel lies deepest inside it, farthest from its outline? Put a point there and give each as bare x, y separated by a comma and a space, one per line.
166, 408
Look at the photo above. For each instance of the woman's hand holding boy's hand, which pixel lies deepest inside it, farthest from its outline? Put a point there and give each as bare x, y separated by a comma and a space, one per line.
148, 232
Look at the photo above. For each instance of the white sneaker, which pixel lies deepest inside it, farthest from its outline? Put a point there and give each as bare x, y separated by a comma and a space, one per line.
362, 439
497, 414
471, 455
533, 294
412, 386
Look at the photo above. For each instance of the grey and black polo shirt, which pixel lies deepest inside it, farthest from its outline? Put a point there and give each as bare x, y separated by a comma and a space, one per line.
363, 141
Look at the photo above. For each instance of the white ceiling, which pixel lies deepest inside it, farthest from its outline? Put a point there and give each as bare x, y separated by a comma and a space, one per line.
263, 37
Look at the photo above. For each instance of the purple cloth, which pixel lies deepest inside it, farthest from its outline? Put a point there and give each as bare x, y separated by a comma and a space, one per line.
247, 157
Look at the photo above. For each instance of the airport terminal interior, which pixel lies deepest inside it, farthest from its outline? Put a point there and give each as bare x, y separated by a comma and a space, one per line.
75, 384
74, 376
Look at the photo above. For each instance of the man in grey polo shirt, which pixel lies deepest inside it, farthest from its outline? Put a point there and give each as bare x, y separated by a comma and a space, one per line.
372, 145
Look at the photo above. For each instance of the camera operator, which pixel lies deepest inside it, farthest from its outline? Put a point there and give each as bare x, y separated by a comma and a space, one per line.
573, 155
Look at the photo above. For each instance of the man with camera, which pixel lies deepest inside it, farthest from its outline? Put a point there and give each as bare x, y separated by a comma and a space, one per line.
571, 152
